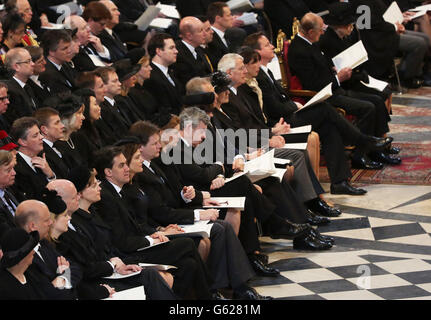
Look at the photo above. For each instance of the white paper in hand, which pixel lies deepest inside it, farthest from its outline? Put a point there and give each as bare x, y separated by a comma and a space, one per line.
393, 14
352, 57
375, 84
321, 96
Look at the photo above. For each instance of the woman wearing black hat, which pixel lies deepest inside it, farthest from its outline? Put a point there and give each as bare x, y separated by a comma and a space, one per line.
16, 282
75, 149
126, 74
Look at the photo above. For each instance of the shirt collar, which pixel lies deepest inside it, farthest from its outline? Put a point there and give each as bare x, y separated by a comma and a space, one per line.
219, 32
22, 84
162, 68
117, 188
185, 142
111, 101
234, 90
49, 143
305, 39
191, 48
56, 65
146, 163
27, 159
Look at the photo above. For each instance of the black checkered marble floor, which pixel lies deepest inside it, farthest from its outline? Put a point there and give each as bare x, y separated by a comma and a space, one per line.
379, 254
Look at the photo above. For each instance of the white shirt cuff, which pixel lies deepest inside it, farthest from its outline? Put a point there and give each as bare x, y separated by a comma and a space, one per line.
151, 240
197, 214
105, 54
112, 265
67, 285
185, 199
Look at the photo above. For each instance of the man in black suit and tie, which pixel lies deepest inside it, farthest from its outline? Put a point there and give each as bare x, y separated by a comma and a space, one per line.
331, 127
59, 75
58, 277
32, 171
226, 38
41, 92
191, 61
52, 129
91, 50
22, 99
164, 86
8, 201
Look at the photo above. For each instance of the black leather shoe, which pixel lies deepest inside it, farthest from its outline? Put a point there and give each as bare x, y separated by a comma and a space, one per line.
321, 237
393, 150
262, 269
413, 83
218, 296
310, 242
365, 163
320, 207
381, 156
375, 143
316, 220
346, 188
288, 230
262, 257
249, 294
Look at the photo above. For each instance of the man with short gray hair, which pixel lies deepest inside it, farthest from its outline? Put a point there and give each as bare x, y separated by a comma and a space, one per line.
22, 99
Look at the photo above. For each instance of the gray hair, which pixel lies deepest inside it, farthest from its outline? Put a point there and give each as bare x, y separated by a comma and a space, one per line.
228, 61
194, 116
195, 85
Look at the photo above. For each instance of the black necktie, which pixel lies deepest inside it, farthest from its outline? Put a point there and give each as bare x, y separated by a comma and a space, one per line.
31, 95
157, 172
11, 202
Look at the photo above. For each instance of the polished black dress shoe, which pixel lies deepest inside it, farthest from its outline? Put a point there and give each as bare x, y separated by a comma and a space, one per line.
376, 143
310, 242
262, 257
365, 163
382, 157
288, 230
249, 294
393, 150
218, 296
321, 237
261, 268
320, 207
346, 188
316, 220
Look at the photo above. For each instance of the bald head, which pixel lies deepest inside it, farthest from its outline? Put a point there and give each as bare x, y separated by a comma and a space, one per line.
33, 215
192, 31
312, 27
67, 191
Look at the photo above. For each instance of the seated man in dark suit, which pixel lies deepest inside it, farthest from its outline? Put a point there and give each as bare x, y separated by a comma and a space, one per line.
41, 92
32, 171
52, 130
22, 99
56, 283
226, 38
59, 75
191, 61
333, 129
91, 50
166, 89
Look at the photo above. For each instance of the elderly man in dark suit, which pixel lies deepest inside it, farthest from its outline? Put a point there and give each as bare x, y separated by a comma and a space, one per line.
164, 86
191, 61
22, 99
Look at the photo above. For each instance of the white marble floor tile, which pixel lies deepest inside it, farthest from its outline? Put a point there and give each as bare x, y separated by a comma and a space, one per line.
420, 240
425, 286
310, 275
378, 222
337, 259
362, 234
351, 295
401, 266
379, 281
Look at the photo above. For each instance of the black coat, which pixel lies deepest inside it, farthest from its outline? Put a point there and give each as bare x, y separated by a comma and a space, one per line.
41, 93
56, 163
168, 97
114, 120
21, 104
187, 67
144, 100
27, 181
62, 80
114, 44
216, 49
12, 289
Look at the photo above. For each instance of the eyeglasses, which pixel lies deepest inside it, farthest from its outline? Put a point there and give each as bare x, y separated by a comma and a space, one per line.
24, 62
4, 98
